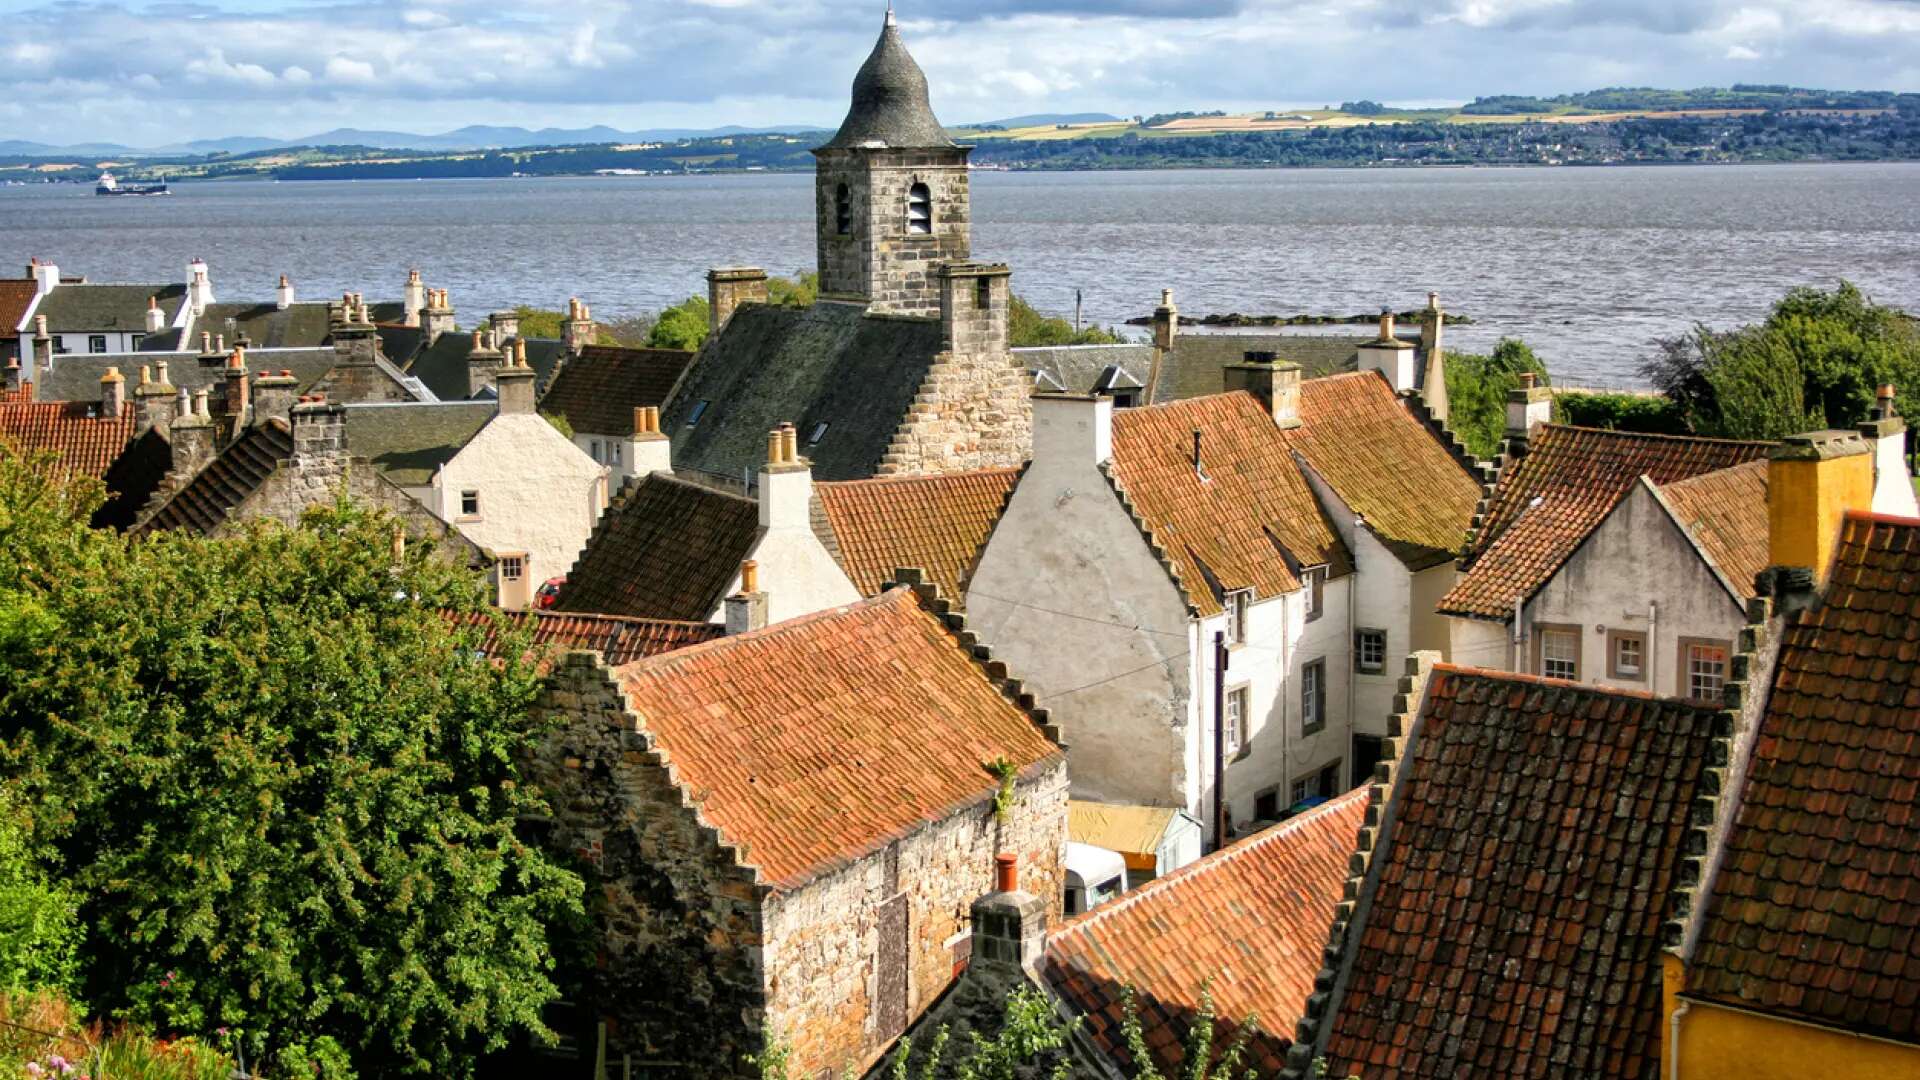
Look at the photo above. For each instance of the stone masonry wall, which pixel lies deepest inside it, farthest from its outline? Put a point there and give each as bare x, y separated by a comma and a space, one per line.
880, 261
822, 941
679, 920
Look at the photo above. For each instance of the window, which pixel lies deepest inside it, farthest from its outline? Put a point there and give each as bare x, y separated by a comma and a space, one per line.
614, 449
843, 211
1370, 651
1234, 731
595, 448
96, 343
1557, 649
512, 568
919, 210
1266, 805
694, 414
1311, 581
1703, 664
983, 293
1626, 655
819, 432
469, 504
134, 342
1330, 781
1236, 604
1300, 789
1313, 697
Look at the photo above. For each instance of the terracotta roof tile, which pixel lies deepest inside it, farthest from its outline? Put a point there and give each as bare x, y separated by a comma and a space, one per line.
935, 523
667, 550
620, 640
227, 481
822, 738
1546, 503
1513, 923
87, 444
1821, 869
1232, 523
1246, 923
1383, 463
598, 390
16, 296
1725, 512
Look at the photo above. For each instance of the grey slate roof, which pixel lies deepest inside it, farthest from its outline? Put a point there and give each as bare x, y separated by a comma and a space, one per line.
442, 366
76, 376
302, 325
401, 344
408, 442
1078, 369
73, 309
1193, 368
890, 103
829, 363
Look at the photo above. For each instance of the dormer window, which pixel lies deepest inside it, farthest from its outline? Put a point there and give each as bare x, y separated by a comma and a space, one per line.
843, 210
919, 210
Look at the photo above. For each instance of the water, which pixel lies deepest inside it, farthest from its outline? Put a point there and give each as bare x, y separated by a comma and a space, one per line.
1587, 265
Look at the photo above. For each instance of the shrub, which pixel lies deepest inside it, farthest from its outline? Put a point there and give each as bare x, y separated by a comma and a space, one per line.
1477, 392
1621, 412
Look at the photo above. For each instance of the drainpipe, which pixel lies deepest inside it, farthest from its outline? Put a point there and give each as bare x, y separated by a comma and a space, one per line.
1673, 1040
1519, 637
1653, 648
1353, 626
1287, 690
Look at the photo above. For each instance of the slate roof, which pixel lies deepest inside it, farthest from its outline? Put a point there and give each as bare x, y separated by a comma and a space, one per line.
934, 523
890, 105
598, 390
820, 739
1079, 369
1724, 512
442, 366
1385, 465
619, 640
828, 363
1251, 522
411, 440
1195, 366
1248, 923
300, 326
667, 549
87, 443
76, 376
72, 309
1546, 503
400, 344
228, 480
1815, 911
1510, 924
16, 298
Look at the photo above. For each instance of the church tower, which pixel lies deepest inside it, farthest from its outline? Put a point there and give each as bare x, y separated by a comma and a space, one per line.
890, 191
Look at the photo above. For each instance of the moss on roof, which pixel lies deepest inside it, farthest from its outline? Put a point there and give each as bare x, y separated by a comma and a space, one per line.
409, 442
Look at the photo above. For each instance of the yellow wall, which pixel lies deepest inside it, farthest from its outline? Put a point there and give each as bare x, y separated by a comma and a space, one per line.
1806, 500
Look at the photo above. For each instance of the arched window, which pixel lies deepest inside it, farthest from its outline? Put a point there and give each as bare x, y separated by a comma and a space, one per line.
919, 209
843, 211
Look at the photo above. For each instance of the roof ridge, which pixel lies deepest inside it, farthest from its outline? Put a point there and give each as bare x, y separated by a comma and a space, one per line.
1654, 436
917, 478
1756, 464
1561, 684
771, 630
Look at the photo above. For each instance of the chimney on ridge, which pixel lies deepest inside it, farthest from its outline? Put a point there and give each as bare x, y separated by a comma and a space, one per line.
577, 331
747, 609
113, 393
730, 286
1433, 386
190, 435
274, 394
1275, 382
1009, 924
1389, 356
237, 398
437, 317
786, 483
199, 286
156, 319
513, 384
649, 450
1892, 484
42, 344
154, 399
283, 295
1071, 430
1813, 480
484, 361
506, 326
413, 299
1527, 405
1166, 323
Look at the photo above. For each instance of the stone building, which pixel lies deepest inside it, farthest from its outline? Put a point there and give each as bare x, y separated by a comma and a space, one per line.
789, 826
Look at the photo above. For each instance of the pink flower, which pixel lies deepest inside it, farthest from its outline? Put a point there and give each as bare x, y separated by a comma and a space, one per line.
34, 1069
59, 1062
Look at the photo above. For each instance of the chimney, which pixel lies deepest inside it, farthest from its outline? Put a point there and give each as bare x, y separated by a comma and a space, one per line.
1813, 479
237, 397
437, 318
155, 400
747, 609
483, 362
513, 384
355, 341
786, 483
577, 332
1892, 484
190, 435
1072, 430
413, 299
730, 286
199, 286
42, 344
1389, 356
1433, 384
283, 295
319, 439
973, 307
1166, 323
1009, 925
505, 324
650, 450
156, 319
15, 379
1527, 404
113, 393
46, 277
274, 394
1275, 383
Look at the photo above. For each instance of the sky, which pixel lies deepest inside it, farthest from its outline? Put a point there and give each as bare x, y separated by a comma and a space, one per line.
161, 73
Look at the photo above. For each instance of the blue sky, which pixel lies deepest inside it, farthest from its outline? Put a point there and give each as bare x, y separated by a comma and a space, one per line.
154, 73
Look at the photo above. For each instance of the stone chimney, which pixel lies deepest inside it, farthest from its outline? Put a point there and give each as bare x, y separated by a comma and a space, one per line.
46, 277
730, 286
514, 384
650, 450
283, 295
786, 483
1276, 383
1527, 404
1433, 384
1389, 356
113, 393
237, 398
413, 299
156, 319
484, 361
577, 331
190, 437
199, 286
747, 609
437, 317
505, 324
1009, 925
274, 394
973, 306
1072, 429
16, 377
1166, 323
319, 441
155, 400
42, 344
1892, 484
356, 343
1813, 479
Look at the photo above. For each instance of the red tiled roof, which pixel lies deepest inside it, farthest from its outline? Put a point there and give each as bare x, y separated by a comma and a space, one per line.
935, 523
16, 296
1547, 503
1815, 911
619, 640
1234, 522
1246, 924
667, 550
1384, 464
1725, 512
598, 390
87, 444
822, 738
1512, 926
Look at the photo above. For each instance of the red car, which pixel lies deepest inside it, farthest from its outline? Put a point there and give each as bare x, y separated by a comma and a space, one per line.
548, 592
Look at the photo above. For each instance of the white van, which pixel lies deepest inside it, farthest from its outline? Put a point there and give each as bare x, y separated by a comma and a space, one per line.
1094, 876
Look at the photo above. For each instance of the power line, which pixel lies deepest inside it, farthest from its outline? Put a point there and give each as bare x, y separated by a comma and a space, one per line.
1074, 615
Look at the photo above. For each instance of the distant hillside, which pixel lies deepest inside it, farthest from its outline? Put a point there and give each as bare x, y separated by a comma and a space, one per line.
466, 139
1038, 119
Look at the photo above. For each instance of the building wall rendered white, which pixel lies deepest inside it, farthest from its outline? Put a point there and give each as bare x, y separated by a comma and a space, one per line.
539, 493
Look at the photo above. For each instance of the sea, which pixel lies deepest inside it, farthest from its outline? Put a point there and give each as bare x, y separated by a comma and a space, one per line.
1590, 266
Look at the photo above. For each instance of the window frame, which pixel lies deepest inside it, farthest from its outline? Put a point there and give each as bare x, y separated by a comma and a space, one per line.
1684, 684
1615, 638
920, 217
613, 450
469, 497
1313, 676
99, 340
1313, 583
1540, 633
843, 210
1261, 798
1237, 738
699, 410
594, 450
1361, 634
1235, 605
513, 567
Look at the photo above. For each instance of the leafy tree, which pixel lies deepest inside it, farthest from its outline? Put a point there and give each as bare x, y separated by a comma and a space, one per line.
799, 290
538, 322
284, 786
682, 326
1026, 327
39, 921
1477, 389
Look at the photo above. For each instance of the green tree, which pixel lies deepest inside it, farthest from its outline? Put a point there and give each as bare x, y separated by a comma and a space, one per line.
283, 784
1027, 327
538, 322
682, 326
39, 919
1477, 389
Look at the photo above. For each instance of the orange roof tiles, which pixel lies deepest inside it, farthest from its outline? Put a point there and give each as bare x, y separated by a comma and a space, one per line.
87, 444
1725, 513
820, 739
1815, 911
1247, 924
937, 524
1512, 925
1232, 522
1546, 503
16, 297
619, 640
1386, 466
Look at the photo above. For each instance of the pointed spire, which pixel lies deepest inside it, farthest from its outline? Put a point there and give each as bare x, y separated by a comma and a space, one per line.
890, 106
889, 21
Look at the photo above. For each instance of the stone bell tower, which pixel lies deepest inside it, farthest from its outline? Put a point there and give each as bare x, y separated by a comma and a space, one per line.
890, 191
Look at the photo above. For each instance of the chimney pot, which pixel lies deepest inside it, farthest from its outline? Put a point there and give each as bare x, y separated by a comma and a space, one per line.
1527, 380
749, 577
1006, 872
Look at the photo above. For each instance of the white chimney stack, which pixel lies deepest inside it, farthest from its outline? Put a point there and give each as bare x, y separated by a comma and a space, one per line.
786, 483
156, 319
199, 286
283, 296
649, 450
46, 277
1389, 356
1892, 484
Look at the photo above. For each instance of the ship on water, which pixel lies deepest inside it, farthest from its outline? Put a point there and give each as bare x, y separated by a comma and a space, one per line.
108, 185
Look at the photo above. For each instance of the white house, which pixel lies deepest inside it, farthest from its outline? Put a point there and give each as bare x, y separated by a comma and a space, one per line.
82, 317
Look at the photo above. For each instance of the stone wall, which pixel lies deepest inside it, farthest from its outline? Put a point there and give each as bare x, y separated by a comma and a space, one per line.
355, 377
823, 941
878, 260
679, 920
